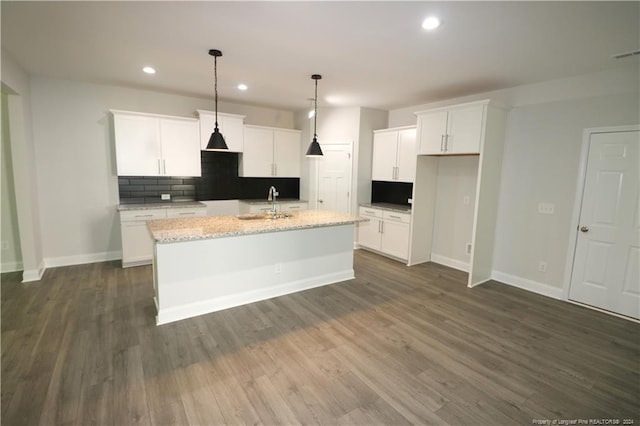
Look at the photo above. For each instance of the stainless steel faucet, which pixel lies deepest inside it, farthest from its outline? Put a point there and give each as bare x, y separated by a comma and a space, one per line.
273, 193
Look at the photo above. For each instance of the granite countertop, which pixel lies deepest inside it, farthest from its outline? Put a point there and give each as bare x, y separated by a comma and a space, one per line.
206, 227
388, 206
168, 205
278, 200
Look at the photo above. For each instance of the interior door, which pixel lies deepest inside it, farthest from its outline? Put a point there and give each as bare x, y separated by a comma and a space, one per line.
334, 178
607, 257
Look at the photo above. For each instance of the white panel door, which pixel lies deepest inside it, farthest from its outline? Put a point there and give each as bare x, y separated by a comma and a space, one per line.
180, 147
607, 257
137, 145
464, 130
334, 178
406, 155
286, 153
385, 148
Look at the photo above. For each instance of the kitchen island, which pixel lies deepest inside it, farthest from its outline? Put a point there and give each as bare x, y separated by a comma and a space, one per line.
206, 264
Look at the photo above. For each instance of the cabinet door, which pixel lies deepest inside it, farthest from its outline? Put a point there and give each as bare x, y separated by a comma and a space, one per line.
231, 127
292, 207
286, 153
137, 145
433, 128
464, 130
385, 146
406, 155
395, 239
180, 147
369, 233
257, 157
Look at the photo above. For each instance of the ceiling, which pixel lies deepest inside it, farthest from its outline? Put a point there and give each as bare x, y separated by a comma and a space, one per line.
371, 54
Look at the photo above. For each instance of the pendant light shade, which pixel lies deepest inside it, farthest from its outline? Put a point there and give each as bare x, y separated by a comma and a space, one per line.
314, 148
216, 141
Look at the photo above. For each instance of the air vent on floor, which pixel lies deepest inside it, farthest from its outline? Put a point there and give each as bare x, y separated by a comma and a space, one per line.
626, 54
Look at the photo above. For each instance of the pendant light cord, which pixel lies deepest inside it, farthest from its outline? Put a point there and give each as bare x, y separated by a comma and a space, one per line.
215, 79
315, 113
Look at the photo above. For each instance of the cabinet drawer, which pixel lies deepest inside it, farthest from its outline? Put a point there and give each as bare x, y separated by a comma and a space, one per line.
142, 215
186, 212
369, 211
397, 217
293, 206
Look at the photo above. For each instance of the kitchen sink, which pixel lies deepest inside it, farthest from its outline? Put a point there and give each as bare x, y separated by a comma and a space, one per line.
263, 216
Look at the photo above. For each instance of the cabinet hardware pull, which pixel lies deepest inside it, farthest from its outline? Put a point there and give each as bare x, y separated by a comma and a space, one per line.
395, 217
293, 207
144, 215
187, 213
441, 143
446, 143
164, 167
159, 168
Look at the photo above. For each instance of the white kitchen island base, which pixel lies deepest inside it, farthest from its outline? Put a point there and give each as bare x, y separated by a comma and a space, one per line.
197, 277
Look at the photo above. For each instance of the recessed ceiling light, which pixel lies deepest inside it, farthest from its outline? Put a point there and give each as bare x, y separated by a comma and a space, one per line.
242, 87
148, 70
431, 23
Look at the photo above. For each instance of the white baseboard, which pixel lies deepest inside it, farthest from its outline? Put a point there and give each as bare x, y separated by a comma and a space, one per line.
12, 266
451, 263
530, 285
177, 313
105, 256
30, 275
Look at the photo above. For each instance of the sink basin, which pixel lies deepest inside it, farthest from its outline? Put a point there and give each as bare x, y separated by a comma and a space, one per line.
260, 216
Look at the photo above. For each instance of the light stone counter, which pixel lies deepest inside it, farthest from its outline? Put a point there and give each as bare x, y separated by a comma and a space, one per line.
199, 228
167, 205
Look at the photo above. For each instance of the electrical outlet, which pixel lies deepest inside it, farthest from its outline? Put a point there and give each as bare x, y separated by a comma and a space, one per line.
165, 196
546, 208
468, 248
4, 245
410, 201
542, 266
278, 268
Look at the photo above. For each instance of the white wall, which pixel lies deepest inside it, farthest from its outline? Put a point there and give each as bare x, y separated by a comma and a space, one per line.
10, 257
75, 160
540, 164
15, 82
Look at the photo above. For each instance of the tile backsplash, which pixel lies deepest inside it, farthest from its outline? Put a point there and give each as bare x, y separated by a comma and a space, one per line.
391, 192
219, 181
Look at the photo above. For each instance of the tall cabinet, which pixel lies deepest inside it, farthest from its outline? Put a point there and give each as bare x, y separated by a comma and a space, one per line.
477, 129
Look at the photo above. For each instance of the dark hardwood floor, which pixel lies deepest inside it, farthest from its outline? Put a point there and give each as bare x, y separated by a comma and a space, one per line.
394, 346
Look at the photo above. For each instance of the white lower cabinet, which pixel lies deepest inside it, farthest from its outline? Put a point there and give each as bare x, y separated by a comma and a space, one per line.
137, 245
386, 232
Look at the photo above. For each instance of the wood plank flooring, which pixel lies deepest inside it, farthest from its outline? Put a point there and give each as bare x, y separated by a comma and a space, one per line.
394, 346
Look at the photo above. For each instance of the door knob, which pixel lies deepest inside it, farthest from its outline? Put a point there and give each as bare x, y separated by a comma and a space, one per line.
584, 229
320, 201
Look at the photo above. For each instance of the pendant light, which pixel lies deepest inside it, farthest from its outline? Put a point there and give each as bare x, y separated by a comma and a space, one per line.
216, 141
314, 148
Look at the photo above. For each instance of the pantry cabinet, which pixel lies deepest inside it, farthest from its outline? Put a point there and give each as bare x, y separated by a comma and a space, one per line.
394, 154
230, 125
270, 152
156, 145
386, 232
451, 131
476, 129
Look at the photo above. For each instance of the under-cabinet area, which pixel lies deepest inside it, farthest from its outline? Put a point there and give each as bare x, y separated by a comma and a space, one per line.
137, 244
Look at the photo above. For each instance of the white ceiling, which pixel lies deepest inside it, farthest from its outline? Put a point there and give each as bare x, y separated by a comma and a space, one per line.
372, 54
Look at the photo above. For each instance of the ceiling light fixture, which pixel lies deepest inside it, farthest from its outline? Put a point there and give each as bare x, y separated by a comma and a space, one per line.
216, 141
148, 70
242, 87
431, 23
314, 148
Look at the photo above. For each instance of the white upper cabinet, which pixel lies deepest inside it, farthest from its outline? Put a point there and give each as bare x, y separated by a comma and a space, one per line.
394, 155
270, 152
231, 126
156, 145
451, 131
